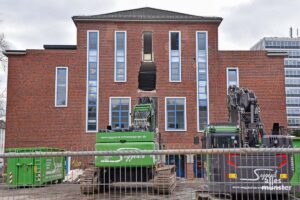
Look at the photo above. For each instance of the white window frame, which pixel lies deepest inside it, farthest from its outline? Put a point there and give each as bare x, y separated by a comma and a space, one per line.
207, 79
170, 61
87, 79
125, 62
110, 115
237, 78
67, 77
166, 115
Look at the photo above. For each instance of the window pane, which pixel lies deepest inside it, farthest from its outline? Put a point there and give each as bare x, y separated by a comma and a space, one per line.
92, 84
115, 118
175, 77
201, 41
175, 60
92, 115
174, 71
93, 40
115, 114
174, 41
93, 65
125, 101
120, 40
124, 107
92, 109
170, 107
174, 53
180, 120
232, 75
120, 52
61, 86
180, 101
124, 119
61, 96
120, 72
61, 76
203, 103
93, 53
92, 71
147, 43
120, 59
91, 126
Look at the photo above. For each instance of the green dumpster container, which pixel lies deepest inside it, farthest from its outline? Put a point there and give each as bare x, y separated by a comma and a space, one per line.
34, 171
296, 177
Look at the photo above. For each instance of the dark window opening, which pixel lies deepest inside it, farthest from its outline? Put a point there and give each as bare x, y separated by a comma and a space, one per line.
147, 52
175, 41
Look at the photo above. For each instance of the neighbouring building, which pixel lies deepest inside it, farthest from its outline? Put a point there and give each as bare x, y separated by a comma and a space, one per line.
291, 70
61, 95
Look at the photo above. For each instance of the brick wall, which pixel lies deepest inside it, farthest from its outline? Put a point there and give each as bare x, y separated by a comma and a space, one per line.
260, 73
33, 120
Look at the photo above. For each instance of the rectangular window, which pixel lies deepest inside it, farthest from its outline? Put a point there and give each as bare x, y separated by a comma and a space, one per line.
120, 56
292, 92
293, 121
293, 111
120, 108
292, 82
174, 56
232, 77
292, 72
61, 87
202, 80
293, 101
92, 81
175, 112
147, 44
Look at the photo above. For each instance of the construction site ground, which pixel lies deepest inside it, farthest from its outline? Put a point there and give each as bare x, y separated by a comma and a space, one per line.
185, 189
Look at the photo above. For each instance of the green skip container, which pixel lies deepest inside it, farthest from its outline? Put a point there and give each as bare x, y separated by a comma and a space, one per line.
34, 171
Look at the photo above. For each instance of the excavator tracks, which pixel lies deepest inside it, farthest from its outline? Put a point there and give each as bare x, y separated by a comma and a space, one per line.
164, 181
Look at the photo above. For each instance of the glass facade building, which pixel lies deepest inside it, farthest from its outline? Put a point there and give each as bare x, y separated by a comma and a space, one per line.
292, 72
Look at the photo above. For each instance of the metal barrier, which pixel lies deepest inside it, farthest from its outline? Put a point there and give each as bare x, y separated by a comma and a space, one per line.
241, 173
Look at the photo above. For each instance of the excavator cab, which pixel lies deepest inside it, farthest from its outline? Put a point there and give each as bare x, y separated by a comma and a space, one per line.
222, 136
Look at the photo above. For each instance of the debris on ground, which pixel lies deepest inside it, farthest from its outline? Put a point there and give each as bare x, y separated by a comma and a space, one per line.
73, 176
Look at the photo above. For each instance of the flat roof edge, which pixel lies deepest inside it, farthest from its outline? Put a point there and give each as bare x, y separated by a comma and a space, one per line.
276, 53
60, 47
14, 52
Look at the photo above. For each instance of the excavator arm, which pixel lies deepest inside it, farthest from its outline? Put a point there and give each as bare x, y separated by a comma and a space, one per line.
243, 110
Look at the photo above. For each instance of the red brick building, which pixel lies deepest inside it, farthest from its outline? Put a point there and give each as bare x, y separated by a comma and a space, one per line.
62, 94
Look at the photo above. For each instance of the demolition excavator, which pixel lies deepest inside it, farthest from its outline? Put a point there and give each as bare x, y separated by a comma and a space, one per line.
250, 173
133, 171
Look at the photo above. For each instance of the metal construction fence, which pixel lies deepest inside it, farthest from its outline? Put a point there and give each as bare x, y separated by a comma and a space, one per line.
241, 173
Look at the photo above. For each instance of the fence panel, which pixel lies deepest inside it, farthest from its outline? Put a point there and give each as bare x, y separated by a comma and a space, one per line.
242, 173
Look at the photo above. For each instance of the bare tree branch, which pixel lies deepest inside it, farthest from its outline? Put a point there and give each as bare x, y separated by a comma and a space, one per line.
3, 67
3, 103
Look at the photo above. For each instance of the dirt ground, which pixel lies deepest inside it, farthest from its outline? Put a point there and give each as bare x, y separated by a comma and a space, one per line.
184, 190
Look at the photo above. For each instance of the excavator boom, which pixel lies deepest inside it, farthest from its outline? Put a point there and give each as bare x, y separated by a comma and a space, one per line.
244, 110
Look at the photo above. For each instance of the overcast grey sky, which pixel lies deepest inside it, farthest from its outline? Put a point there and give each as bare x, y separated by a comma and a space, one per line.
29, 24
